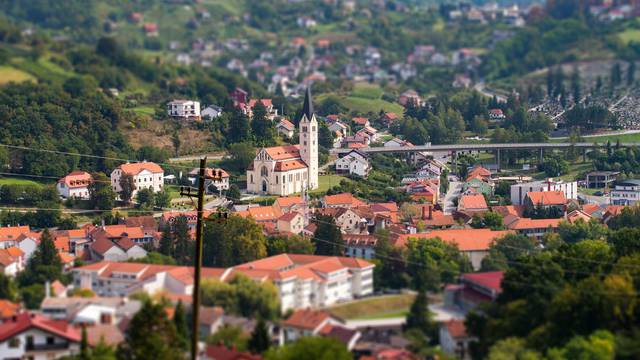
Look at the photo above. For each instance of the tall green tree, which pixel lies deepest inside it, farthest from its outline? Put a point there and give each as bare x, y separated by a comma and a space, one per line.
259, 341
184, 245
101, 193
264, 129
421, 319
7, 288
311, 348
44, 264
127, 187
234, 241
328, 237
182, 329
151, 335
166, 242
239, 127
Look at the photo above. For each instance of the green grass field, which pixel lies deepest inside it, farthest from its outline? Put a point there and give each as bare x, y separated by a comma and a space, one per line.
144, 110
363, 105
629, 35
327, 182
17, 181
604, 138
375, 308
367, 91
11, 74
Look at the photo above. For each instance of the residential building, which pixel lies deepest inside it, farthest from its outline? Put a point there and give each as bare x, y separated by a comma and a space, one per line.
360, 245
309, 322
479, 186
31, 336
354, 162
211, 112
288, 204
395, 142
547, 200
454, 339
221, 352
601, 179
90, 311
261, 214
626, 192
343, 200
9, 235
361, 121
292, 222
519, 191
216, 179
184, 109
11, 261
496, 115
473, 243
286, 170
472, 203
473, 290
305, 281
75, 185
120, 250
338, 126
533, 227
347, 219
146, 175
286, 128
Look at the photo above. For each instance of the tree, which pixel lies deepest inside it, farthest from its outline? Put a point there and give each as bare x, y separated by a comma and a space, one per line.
421, 319
391, 265
84, 345
616, 75
263, 128
230, 336
145, 198
292, 244
233, 193
127, 187
182, 329
325, 137
576, 86
44, 264
512, 348
479, 125
234, 241
175, 140
166, 241
183, 248
162, 199
433, 262
243, 296
101, 193
598, 346
631, 72
581, 230
7, 288
328, 237
151, 335
239, 127
240, 156
32, 295
311, 348
259, 341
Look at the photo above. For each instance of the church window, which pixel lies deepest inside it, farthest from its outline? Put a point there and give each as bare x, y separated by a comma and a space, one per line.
304, 129
298, 176
277, 177
283, 179
313, 128
251, 178
305, 143
264, 171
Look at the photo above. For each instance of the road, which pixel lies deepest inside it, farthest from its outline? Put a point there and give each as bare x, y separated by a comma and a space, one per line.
210, 156
481, 147
216, 203
608, 133
481, 87
440, 314
591, 199
455, 187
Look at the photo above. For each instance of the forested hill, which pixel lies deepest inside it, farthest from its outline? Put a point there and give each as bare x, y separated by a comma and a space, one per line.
75, 118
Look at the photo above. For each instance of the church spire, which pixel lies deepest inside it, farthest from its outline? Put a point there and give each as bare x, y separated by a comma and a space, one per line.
307, 108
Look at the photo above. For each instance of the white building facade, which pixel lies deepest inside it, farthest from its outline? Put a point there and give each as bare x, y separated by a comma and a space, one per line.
519, 191
184, 109
626, 192
146, 175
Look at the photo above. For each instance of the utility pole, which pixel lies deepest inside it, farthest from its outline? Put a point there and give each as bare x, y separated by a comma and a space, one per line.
216, 176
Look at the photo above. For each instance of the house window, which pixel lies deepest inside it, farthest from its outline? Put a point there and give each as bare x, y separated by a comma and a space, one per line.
50, 340
14, 342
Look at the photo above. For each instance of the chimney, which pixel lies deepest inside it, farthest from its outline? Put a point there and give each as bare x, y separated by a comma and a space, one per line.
424, 215
430, 212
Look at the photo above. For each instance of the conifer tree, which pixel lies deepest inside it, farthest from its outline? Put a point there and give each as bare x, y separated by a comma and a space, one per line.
182, 329
259, 341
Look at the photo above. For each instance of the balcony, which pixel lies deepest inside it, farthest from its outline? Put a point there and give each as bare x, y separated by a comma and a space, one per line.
47, 347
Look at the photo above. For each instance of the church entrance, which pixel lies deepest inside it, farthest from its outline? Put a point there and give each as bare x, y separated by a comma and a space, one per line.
264, 186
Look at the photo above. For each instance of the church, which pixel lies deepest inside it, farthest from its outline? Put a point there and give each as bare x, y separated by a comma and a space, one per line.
286, 170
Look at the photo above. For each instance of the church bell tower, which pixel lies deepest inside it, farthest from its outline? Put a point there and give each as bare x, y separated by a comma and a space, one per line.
309, 140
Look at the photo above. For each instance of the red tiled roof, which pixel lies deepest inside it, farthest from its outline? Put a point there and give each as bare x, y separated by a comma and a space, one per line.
221, 352
526, 223
360, 120
475, 201
24, 321
287, 124
490, 280
590, 208
283, 152
456, 328
109, 334
287, 201
8, 308
289, 216
136, 168
290, 165
265, 102
306, 319
342, 199
465, 239
76, 179
11, 233
547, 197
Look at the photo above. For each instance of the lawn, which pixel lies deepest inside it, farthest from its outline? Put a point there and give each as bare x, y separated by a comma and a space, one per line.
144, 110
613, 138
379, 307
629, 35
363, 105
327, 181
43, 68
367, 91
17, 181
10, 74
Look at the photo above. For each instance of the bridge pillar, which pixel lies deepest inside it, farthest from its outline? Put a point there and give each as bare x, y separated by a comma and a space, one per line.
541, 158
498, 158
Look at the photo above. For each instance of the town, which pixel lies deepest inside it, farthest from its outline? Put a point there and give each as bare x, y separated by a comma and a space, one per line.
318, 179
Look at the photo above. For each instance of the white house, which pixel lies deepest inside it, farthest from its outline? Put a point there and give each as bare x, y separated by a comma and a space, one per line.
32, 336
9, 235
210, 181
184, 109
626, 192
120, 250
338, 126
286, 128
309, 322
11, 261
211, 112
395, 142
75, 185
146, 175
519, 191
354, 163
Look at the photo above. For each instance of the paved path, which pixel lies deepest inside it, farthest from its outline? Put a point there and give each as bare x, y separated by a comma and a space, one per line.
591, 199
441, 314
455, 187
210, 156
608, 133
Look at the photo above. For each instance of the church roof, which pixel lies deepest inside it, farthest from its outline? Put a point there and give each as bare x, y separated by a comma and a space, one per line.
290, 165
283, 152
307, 107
